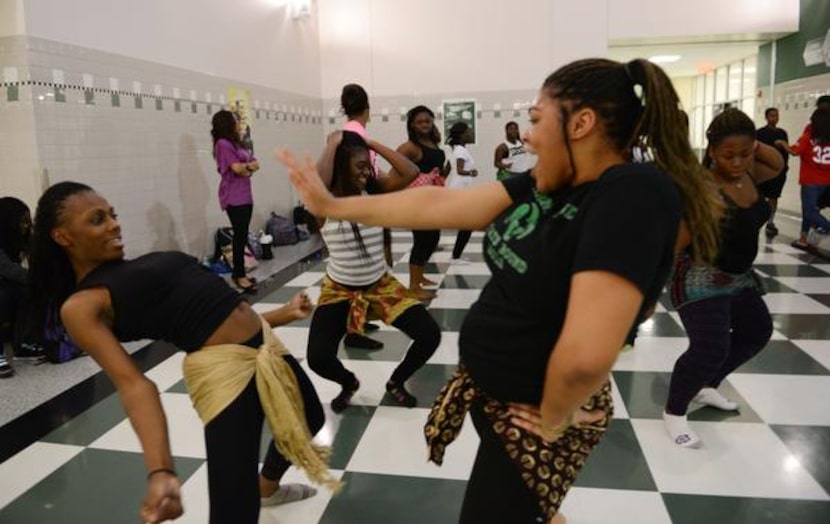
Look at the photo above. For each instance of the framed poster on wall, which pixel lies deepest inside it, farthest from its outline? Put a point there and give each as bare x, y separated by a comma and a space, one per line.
459, 111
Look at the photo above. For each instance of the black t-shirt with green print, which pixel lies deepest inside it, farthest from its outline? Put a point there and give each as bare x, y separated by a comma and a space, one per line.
625, 223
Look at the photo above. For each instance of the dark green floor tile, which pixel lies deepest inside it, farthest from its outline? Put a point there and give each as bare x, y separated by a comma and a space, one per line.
782, 357
790, 270
698, 509
617, 462
810, 445
376, 499
662, 325
282, 295
645, 392
464, 281
95, 486
395, 344
801, 326
824, 299
350, 428
425, 384
774, 286
84, 429
178, 387
449, 319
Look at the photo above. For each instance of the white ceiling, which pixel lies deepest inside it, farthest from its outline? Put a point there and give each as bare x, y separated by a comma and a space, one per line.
696, 57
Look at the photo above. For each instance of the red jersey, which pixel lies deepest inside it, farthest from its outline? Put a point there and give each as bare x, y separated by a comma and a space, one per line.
815, 160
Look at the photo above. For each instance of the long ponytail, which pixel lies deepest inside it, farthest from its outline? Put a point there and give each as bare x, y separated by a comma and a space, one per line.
648, 116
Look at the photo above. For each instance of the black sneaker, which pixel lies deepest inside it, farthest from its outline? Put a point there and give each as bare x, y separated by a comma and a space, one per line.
342, 401
353, 340
6, 370
369, 327
401, 395
771, 229
33, 352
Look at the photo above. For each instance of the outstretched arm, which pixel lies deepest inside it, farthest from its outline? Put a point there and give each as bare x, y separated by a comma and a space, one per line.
298, 308
422, 208
83, 317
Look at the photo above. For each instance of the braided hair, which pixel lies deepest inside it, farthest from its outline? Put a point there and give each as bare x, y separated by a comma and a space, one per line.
637, 104
51, 276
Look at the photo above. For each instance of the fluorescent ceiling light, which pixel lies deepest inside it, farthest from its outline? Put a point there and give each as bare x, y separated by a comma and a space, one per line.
664, 59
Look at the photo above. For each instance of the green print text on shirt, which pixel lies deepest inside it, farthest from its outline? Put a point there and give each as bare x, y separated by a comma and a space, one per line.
518, 225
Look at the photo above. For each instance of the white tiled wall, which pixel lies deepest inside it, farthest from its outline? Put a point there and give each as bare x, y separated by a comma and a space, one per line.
155, 166
796, 101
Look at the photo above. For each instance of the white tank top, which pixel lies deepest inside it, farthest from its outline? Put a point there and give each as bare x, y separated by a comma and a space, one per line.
518, 157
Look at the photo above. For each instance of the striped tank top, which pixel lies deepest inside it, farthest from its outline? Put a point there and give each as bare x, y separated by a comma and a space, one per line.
346, 264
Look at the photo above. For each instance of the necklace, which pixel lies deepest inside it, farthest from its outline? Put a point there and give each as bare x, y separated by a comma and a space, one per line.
737, 181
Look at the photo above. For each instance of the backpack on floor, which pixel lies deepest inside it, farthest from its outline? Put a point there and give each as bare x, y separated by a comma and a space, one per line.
57, 346
282, 230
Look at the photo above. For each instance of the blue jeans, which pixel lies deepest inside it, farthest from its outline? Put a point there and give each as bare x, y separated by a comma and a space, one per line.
810, 215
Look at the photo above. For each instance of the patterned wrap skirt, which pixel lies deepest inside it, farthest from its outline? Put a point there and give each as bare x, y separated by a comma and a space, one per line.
548, 469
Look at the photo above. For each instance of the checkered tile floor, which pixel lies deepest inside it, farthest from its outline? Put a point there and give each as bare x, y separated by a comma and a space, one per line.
768, 464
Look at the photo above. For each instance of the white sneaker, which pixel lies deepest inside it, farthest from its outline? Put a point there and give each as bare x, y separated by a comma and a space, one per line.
680, 432
712, 397
6, 370
459, 261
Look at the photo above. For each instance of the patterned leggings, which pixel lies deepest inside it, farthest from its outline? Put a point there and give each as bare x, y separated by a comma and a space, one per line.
517, 477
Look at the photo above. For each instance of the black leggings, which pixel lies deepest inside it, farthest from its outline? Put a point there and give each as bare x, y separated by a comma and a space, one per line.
423, 246
724, 333
460, 243
232, 440
496, 491
240, 217
329, 325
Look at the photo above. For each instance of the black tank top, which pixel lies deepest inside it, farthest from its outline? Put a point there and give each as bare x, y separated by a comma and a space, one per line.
164, 296
739, 230
431, 158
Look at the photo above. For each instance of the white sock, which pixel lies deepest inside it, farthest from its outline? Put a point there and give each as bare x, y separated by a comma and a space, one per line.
680, 432
712, 397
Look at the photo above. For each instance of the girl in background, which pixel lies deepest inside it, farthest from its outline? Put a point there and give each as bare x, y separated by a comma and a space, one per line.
424, 148
357, 282
236, 166
720, 303
465, 170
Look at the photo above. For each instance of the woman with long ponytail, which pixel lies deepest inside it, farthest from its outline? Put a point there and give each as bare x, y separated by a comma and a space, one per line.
586, 236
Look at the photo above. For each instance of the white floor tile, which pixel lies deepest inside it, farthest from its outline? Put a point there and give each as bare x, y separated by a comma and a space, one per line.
447, 352
22, 471
185, 429
167, 373
794, 303
309, 278
786, 399
295, 339
372, 375
818, 349
455, 298
473, 268
737, 459
652, 354
813, 285
784, 248
393, 443
596, 506
778, 258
